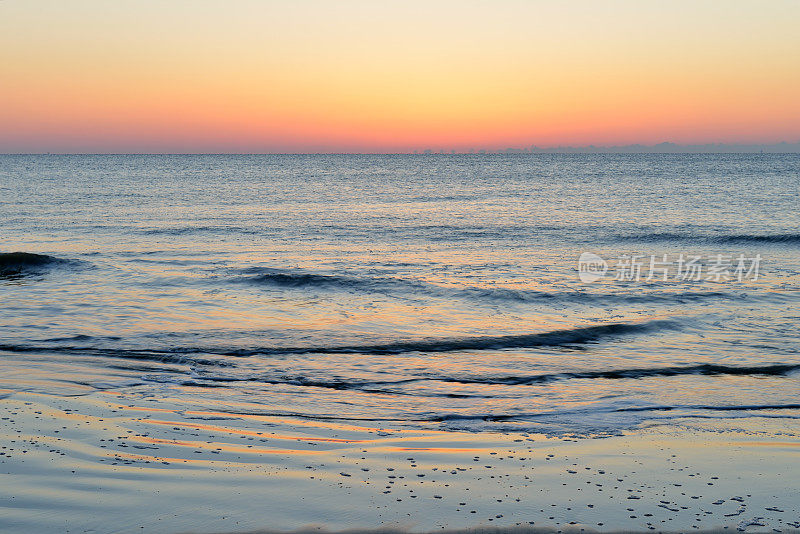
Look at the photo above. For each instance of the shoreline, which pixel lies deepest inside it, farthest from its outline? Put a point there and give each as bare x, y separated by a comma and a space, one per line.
129, 462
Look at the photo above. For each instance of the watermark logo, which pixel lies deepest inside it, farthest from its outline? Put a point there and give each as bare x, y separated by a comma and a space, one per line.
665, 267
591, 267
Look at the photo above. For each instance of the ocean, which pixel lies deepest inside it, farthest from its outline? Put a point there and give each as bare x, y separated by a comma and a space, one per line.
422, 291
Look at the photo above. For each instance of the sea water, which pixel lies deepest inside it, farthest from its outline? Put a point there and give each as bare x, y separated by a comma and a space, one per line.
435, 291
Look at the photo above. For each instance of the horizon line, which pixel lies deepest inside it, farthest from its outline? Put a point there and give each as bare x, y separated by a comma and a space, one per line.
666, 147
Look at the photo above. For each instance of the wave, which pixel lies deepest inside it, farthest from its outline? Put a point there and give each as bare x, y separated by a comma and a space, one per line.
574, 422
390, 386
15, 264
583, 297
404, 287
760, 238
535, 415
566, 337
290, 279
176, 356
188, 230
556, 338
706, 369
721, 408
733, 239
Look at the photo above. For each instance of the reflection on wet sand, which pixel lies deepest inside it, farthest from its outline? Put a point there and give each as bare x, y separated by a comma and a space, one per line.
120, 445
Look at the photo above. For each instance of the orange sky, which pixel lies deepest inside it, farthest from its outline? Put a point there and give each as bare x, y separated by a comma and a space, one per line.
303, 75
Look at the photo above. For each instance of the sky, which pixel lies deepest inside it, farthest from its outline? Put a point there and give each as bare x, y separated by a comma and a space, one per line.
394, 76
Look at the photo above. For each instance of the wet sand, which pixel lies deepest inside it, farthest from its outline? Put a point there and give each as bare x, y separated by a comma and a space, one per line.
116, 462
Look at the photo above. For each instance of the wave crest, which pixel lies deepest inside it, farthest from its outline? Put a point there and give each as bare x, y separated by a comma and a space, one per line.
391, 386
554, 338
404, 287
14, 264
732, 239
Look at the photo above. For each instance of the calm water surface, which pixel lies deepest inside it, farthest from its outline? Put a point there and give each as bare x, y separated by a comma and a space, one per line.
422, 291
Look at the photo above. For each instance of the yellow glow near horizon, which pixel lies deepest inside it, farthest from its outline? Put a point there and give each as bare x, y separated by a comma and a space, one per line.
247, 75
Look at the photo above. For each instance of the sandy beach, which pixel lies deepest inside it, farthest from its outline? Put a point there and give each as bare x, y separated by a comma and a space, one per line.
110, 462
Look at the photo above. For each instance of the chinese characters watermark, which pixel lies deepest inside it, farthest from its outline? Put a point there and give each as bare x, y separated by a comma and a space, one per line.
665, 267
